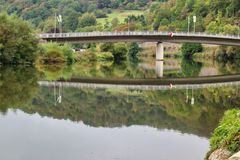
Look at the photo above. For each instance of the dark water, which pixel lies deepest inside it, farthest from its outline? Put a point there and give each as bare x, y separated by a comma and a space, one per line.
58, 122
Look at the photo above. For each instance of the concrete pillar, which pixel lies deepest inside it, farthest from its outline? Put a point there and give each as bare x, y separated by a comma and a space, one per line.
159, 51
159, 59
159, 69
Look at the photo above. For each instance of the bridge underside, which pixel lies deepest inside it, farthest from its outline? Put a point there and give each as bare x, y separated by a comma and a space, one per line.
146, 38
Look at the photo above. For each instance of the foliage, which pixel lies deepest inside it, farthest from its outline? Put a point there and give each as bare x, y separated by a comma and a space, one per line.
100, 14
53, 72
118, 50
105, 56
54, 53
228, 53
189, 49
190, 68
17, 42
133, 51
227, 134
168, 15
87, 20
86, 56
107, 47
18, 86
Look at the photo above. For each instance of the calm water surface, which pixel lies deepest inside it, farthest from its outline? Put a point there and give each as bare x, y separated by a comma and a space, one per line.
60, 122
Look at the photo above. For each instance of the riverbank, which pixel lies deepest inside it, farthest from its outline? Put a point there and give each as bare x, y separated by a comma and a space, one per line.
225, 140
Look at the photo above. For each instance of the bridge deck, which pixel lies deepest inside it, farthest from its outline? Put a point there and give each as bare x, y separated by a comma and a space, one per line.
147, 36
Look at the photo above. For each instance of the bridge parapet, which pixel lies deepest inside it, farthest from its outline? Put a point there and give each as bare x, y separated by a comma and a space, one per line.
145, 33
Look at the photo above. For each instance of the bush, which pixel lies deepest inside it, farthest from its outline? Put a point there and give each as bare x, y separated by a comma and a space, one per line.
227, 135
188, 49
100, 14
54, 53
118, 50
17, 41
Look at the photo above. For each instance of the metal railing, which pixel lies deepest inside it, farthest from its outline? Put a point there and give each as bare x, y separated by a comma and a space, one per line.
134, 33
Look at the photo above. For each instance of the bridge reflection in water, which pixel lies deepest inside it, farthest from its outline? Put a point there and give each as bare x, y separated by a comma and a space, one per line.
152, 84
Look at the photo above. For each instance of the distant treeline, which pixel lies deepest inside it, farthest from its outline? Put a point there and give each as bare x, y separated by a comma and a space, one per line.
215, 16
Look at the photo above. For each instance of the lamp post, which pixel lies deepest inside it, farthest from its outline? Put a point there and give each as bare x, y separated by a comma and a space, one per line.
188, 24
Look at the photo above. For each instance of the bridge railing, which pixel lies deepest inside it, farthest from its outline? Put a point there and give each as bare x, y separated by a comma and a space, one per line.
134, 33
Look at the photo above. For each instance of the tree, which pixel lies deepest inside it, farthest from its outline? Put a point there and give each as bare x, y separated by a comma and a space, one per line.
17, 41
104, 4
70, 20
87, 20
115, 22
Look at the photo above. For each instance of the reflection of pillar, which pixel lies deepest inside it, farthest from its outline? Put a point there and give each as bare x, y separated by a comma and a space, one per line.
192, 99
159, 68
159, 59
159, 51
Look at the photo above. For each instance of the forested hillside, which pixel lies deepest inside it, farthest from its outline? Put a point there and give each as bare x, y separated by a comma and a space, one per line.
214, 16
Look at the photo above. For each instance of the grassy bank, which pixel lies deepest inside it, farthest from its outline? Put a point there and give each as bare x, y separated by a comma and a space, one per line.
227, 135
120, 14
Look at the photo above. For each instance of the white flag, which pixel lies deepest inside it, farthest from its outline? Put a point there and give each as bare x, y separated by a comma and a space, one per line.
59, 18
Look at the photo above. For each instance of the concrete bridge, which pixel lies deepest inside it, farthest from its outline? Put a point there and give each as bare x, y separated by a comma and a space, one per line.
146, 36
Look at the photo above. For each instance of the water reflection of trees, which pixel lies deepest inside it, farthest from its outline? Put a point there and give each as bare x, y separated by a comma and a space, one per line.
229, 67
160, 109
190, 68
17, 86
114, 107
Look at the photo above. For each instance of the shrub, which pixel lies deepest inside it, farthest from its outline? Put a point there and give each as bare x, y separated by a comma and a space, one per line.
100, 14
54, 53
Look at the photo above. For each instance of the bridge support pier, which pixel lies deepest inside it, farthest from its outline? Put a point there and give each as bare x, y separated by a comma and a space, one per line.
159, 51
159, 59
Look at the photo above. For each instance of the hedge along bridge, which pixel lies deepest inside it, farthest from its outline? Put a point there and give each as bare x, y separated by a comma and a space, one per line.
146, 36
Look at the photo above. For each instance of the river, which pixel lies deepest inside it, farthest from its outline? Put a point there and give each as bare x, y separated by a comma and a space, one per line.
46, 114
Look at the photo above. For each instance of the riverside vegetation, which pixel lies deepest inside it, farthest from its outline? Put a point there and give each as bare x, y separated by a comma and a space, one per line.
18, 45
227, 134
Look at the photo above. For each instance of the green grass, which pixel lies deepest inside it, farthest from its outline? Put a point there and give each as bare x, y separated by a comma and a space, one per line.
227, 134
120, 14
